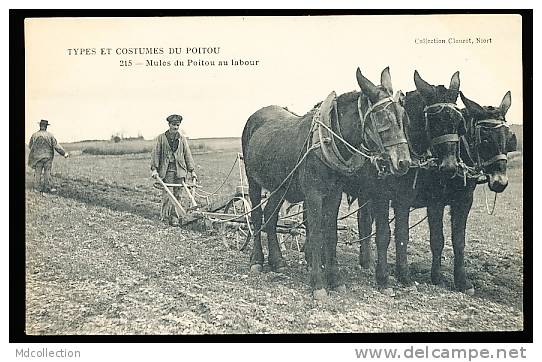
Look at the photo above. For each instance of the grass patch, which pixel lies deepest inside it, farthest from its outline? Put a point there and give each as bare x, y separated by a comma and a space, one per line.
119, 148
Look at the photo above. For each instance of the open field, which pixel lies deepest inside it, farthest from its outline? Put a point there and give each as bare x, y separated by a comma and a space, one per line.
134, 146
99, 261
518, 130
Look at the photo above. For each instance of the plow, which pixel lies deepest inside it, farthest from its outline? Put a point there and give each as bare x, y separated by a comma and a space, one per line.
231, 212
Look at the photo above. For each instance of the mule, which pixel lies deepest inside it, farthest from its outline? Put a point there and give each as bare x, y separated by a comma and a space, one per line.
280, 155
483, 149
434, 124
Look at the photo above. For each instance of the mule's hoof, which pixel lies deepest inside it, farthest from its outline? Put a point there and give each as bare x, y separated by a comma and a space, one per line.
388, 292
256, 269
340, 288
368, 265
469, 292
279, 267
320, 294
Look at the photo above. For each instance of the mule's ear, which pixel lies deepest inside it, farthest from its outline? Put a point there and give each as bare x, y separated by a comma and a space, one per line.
454, 82
385, 80
511, 142
473, 107
426, 89
367, 86
453, 90
506, 103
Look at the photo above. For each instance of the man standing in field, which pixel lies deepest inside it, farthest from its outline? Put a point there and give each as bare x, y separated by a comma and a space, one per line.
171, 160
42, 151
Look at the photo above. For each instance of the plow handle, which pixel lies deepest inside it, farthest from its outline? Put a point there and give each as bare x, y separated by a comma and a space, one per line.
194, 203
181, 212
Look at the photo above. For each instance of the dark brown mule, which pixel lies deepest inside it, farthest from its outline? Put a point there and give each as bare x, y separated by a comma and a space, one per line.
280, 157
435, 122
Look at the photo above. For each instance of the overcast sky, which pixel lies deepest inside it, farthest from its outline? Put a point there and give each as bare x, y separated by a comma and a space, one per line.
300, 61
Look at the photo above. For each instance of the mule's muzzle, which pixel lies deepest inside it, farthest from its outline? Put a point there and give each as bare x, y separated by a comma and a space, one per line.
403, 167
448, 167
399, 157
498, 182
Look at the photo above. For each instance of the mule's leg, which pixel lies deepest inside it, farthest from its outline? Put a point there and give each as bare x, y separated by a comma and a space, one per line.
329, 224
381, 215
402, 214
271, 215
313, 207
255, 194
436, 239
365, 228
306, 245
460, 209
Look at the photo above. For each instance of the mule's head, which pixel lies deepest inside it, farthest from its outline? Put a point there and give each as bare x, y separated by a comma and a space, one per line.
488, 133
384, 122
443, 121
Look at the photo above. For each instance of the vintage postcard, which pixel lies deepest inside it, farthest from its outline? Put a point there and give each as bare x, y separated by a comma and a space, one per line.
154, 143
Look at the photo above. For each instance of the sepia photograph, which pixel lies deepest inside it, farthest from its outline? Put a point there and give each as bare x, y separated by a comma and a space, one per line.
274, 175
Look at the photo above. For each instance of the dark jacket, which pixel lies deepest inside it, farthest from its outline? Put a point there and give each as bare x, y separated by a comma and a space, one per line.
42, 145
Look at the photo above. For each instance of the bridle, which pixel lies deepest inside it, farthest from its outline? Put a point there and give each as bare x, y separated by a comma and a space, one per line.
370, 129
477, 171
487, 124
435, 109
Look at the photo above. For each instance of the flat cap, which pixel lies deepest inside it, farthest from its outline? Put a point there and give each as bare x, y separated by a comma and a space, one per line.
174, 118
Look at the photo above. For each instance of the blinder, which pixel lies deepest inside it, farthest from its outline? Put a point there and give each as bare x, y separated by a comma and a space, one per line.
374, 135
488, 124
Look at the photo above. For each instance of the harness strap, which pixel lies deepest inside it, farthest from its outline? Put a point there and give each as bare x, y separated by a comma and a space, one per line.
467, 149
492, 160
374, 137
491, 122
451, 137
396, 141
373, 106
441, 107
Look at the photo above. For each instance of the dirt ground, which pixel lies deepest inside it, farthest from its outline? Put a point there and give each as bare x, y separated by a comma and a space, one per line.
99, 261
